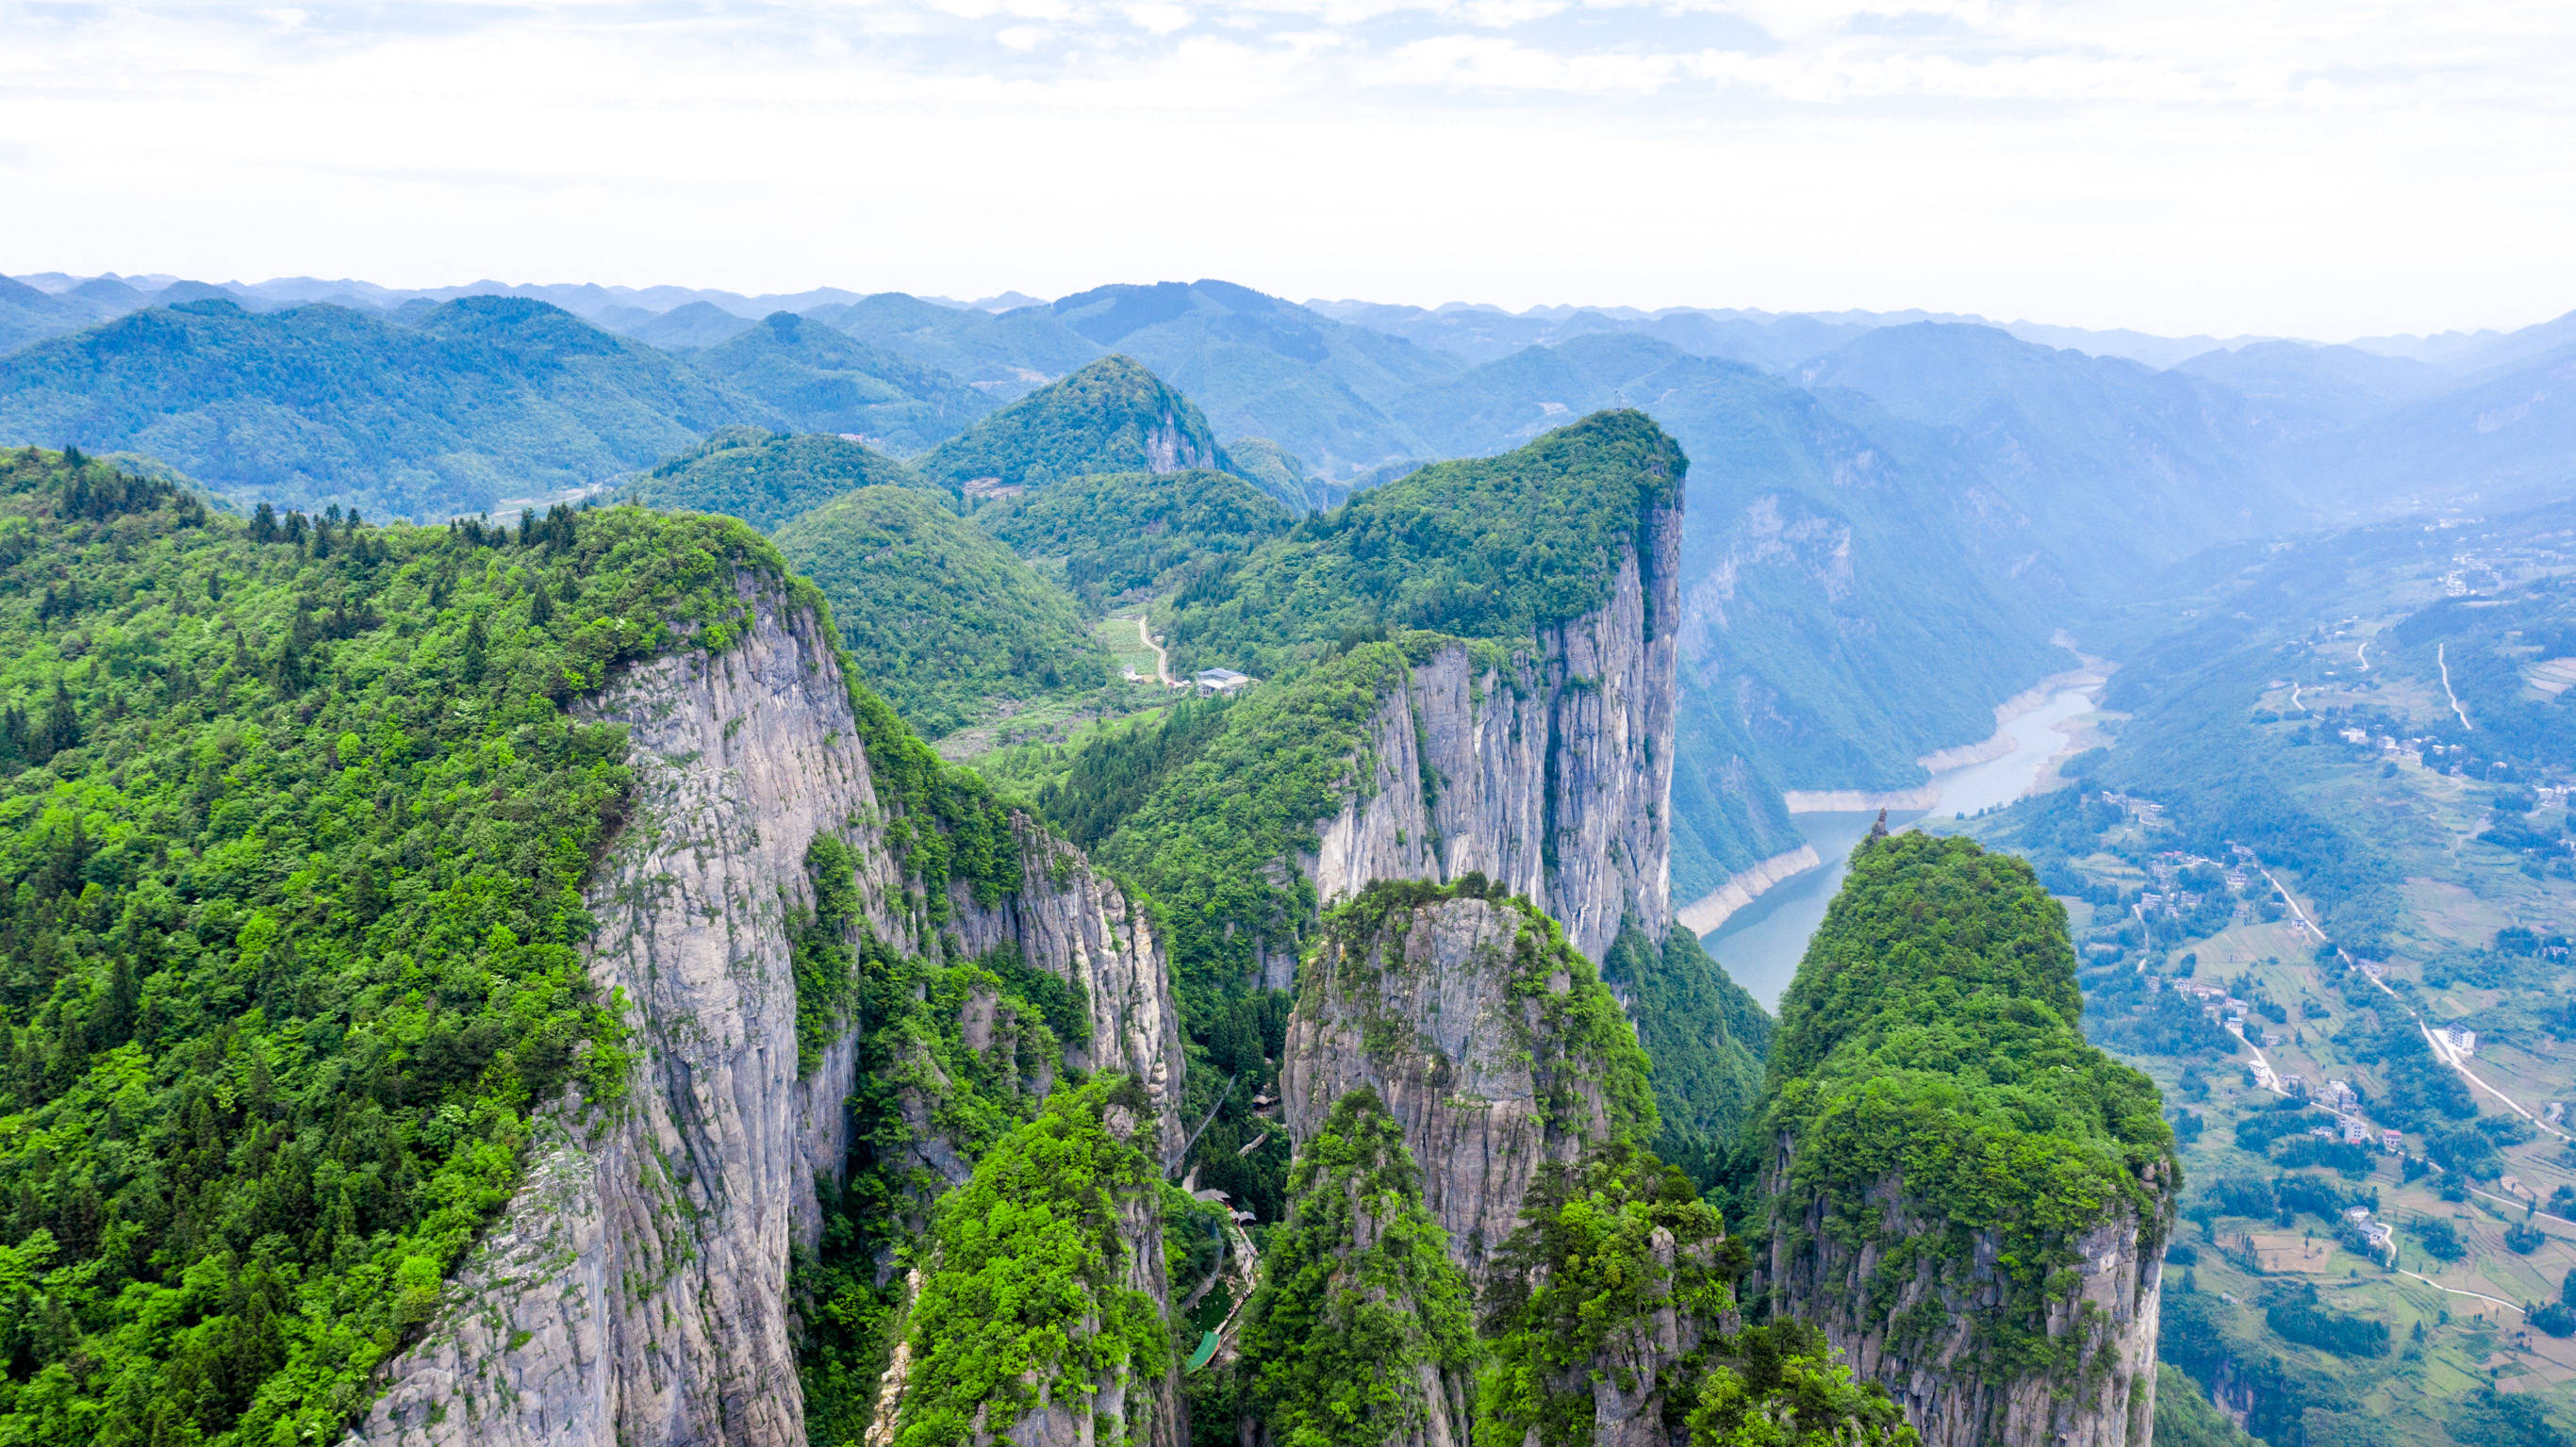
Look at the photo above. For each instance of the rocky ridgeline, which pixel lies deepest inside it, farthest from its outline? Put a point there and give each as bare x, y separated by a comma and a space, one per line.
1549, 773
635, 1290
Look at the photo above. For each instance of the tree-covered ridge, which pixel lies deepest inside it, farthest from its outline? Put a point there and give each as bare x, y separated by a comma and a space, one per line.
1110, 416
936, 614
1028, 1297
1604, 1245
480, 399
1932, 1037
1707, 1036
1243, 792
1491, 547
821, 380
766, 478
1358, 1298
1115, 534
295, 837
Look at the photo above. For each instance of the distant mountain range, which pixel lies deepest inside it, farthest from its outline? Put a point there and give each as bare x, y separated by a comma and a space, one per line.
1888, 512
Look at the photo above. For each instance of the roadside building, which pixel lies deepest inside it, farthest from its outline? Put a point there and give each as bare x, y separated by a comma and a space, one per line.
1221, 681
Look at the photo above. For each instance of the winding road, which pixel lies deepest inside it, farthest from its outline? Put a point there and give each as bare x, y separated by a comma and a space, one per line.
2441, 1050
2441, 656
1162, 660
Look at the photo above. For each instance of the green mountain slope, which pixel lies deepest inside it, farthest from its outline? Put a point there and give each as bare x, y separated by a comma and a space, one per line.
1115, 534
1487, 548
483, 399
1264, 367
1007, 355
938, 616
766, 478
1707, 1036
822, 381
1110, 416
682, 328
28, 315
294, 858
2107, 469
1931, 1091
1282, 475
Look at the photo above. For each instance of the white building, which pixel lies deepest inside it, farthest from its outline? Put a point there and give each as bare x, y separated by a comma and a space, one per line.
1221, 680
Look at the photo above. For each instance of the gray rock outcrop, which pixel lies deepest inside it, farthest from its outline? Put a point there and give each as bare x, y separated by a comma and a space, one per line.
1550, 772
1874, 1314
1451, 1011
634, 1292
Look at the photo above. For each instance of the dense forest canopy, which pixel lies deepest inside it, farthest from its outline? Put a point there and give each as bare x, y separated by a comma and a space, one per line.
296, 831
471, 402
821, 380
939, 617
1110, 416
1115, 534
1492, 547
1932, 1036
766, 478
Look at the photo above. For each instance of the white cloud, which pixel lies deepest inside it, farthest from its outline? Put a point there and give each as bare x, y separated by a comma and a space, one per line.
2311, 167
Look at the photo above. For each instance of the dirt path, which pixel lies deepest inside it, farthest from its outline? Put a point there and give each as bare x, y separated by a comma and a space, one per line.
2512, 1306
2442, 656
1162, 660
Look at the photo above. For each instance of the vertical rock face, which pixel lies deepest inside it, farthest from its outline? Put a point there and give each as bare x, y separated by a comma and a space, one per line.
1079, 926
1872, 1308
1550, 772
1493, 1046
634, 1291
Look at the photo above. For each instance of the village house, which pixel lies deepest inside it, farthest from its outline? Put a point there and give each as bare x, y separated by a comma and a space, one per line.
1220, 681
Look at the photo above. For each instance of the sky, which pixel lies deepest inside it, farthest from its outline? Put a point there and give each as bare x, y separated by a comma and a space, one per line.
2284, 167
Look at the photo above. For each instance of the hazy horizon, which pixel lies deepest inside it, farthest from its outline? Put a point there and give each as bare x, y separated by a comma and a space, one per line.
2176, 168
993, 298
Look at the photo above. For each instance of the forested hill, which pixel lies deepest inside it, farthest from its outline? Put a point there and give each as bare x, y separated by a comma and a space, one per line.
480, 400
1932, 1093
767, 478
1487, 548
1117, 534
823, 381
936, 613
1110, 416
295, 822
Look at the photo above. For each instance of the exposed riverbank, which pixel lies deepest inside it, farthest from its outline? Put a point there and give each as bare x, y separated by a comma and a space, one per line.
1706, 913
1763, 917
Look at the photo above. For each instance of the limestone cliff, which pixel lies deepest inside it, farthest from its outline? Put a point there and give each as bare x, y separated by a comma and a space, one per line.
1547, 767
634, 1290
1970, 1200
1493, 1045
1873, 1297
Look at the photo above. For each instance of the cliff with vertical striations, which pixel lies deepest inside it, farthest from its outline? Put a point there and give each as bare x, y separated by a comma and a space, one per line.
1546, 768
634, 1292
1494, 1046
